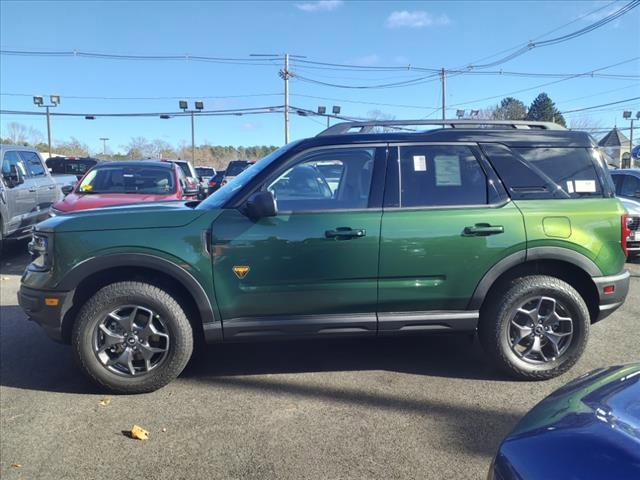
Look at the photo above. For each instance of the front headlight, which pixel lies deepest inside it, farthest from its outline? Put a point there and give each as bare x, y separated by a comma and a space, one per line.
40, 248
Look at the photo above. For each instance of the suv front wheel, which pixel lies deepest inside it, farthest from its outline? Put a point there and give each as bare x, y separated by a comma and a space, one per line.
537, 329
132, 337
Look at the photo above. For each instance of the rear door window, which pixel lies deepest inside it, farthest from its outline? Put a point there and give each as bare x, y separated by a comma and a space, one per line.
33, 163
572, 169
441, 175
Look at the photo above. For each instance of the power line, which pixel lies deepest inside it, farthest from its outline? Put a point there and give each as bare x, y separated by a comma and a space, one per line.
584, 74
204, 97
626, 100
515, 47
563, 38
237, 111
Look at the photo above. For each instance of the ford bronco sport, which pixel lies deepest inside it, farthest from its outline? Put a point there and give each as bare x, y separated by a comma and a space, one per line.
508, 228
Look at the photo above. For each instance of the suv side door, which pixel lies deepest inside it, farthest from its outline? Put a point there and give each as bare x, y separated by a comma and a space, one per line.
22, 199
447, 220
312, 269
47, 190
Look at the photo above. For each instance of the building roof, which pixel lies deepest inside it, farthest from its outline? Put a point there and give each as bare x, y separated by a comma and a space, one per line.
615, 138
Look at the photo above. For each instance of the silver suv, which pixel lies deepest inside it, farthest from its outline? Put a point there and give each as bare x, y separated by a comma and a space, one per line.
27, 191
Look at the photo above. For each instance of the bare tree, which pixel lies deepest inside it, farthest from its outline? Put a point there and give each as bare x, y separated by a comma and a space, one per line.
585, 124
16, 133
72, 148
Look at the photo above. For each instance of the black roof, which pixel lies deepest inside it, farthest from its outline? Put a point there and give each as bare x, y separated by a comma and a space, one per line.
511, 137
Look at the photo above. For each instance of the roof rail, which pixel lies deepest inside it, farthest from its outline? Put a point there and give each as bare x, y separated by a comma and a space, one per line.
368, 125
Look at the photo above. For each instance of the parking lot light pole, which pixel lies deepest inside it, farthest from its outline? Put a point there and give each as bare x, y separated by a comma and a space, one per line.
104, 145
184, 105
627, 114
54, 102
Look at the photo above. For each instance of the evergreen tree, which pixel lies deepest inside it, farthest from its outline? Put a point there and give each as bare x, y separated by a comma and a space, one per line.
544, 110
510, 109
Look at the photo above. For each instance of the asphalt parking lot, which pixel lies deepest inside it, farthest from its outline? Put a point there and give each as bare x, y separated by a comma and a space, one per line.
410, 408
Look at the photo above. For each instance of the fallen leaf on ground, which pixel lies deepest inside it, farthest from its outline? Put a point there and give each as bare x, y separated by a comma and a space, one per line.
16, 465
139, 433
105, 401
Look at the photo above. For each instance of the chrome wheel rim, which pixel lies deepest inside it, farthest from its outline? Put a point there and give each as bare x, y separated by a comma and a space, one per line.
541, 330
131, 341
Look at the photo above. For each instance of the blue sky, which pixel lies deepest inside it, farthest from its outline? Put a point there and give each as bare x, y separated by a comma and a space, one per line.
430, 34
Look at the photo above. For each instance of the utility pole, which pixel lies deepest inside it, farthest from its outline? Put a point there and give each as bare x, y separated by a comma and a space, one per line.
285, 76
104, 145
443, 74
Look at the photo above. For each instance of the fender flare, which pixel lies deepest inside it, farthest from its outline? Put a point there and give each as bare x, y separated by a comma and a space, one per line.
96, 264
535, 253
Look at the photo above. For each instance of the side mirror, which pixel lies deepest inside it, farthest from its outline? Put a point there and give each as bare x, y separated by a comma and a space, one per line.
261, 204
14, 177
67, 189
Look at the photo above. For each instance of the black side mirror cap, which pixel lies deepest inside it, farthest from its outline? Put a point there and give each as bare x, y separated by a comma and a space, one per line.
67, 189
261, 204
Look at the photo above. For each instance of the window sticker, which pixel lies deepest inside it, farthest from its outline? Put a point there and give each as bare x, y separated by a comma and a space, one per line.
570, 186
447, 171
585, 186
419, 163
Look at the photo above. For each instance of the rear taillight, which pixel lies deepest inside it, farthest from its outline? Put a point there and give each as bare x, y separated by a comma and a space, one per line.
212, 183
625, 232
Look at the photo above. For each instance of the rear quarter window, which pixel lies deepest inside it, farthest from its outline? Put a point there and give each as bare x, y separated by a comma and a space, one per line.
572, 169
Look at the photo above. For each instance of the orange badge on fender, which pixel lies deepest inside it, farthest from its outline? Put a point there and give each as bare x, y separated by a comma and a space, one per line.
241, 271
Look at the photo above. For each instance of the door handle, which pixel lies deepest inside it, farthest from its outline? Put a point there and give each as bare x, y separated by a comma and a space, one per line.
32, 190
345, 232
51, 187
482, 230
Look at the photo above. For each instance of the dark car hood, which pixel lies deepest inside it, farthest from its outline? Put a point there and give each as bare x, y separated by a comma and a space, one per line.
590, 428
142, 215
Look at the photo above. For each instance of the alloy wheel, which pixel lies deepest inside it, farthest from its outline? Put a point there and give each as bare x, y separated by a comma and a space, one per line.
541, 330
131, 340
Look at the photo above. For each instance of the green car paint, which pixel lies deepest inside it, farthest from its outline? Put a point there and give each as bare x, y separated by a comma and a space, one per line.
294, 268
405, 259
426, 261
593, 230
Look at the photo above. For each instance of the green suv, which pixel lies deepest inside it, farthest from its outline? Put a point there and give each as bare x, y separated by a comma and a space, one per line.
368, 229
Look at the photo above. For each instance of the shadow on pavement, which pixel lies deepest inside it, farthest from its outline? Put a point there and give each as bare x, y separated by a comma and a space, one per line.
473, 428
455, 356
14, 257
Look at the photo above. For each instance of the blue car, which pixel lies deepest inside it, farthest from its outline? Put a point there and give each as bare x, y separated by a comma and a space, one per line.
588, 429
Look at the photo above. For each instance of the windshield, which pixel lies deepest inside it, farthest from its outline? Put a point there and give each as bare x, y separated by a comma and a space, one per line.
204, 172
128, 179
236, 168
220, 197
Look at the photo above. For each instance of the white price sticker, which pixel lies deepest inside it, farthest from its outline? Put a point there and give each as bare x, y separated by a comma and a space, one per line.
570, 186
585, 186
419, 163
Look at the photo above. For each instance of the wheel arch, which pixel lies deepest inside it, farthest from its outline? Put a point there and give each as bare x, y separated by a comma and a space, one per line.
89, 276
567, 265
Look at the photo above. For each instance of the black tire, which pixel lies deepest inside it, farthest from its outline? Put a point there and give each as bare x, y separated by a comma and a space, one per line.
132, 293
496, 319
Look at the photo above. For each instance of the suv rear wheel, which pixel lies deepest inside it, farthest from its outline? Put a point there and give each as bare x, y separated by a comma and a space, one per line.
538, 329
132, 337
